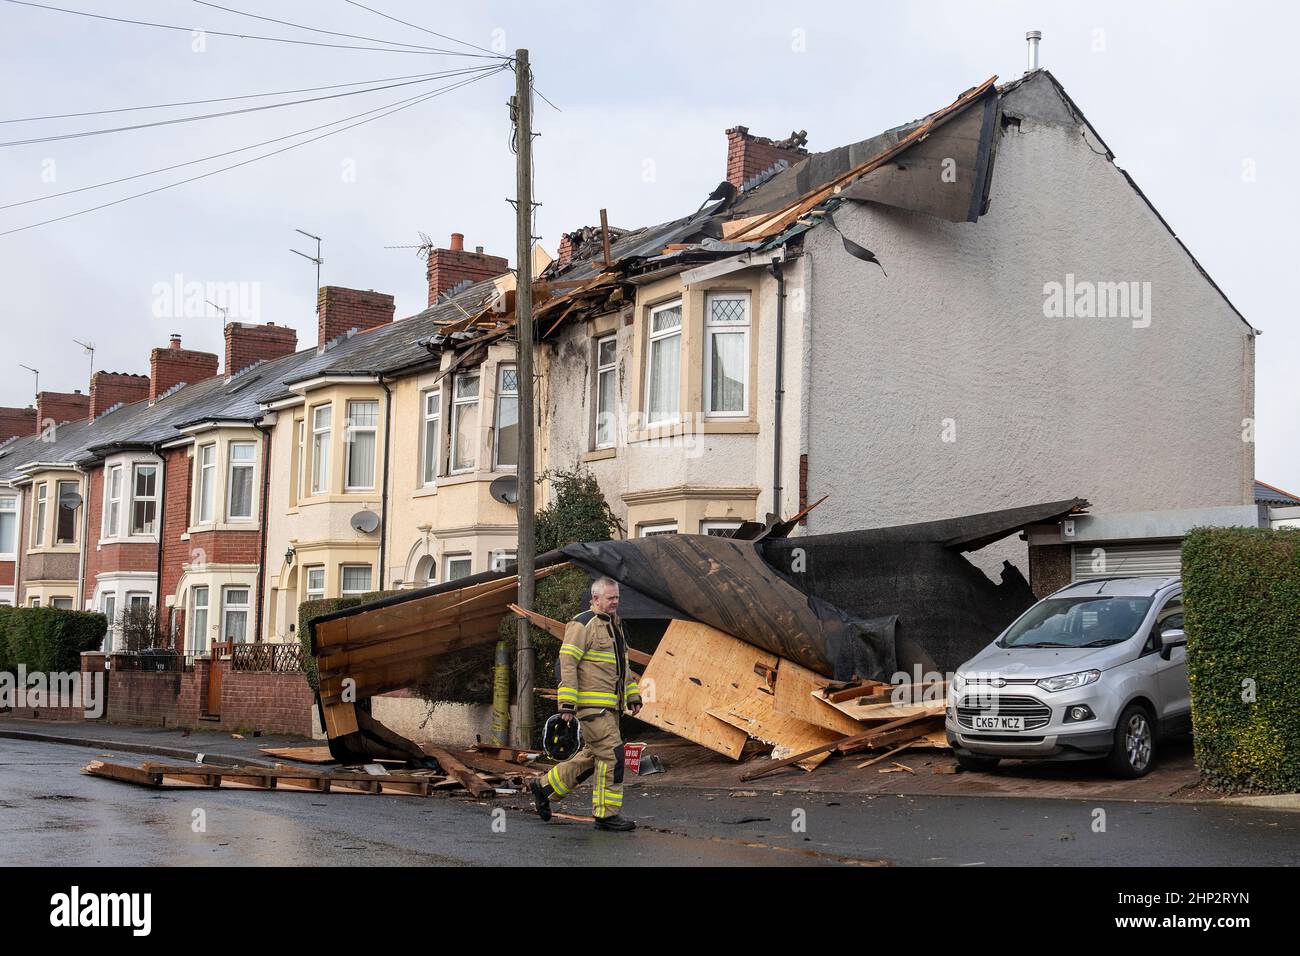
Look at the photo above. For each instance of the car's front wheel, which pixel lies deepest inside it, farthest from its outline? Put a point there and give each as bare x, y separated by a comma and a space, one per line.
977, 764
1134, 751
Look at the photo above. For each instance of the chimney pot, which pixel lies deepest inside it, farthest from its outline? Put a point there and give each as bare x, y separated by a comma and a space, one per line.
447, 268
175, 341
457, 242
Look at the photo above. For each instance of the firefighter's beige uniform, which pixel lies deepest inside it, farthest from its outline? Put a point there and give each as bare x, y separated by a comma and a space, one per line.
595, 684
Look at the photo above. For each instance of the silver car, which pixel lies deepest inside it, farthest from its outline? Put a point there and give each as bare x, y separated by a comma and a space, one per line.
1097, 669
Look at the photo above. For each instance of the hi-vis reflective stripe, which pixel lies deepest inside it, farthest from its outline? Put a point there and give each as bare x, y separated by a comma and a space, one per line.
594, 697
566, 694
603, 657
573, 650
553, 779
633, 687
598, 796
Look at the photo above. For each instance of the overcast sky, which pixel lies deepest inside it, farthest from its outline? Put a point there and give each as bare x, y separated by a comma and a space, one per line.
1197, 100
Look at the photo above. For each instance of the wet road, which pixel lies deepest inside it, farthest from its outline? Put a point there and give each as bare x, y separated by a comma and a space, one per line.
51, 812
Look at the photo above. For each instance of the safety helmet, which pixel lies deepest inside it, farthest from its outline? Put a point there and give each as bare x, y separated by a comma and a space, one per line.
561, 738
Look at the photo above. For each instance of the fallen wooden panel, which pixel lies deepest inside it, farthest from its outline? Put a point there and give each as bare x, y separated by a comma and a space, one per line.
887, 710
795, 687
757, 716
151, 774
301, 754
453, 766
695, 669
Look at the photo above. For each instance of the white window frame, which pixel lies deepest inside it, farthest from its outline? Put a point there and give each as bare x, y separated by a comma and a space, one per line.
651, 338
227, 606
58, 508
146, 532
458, 405
496, 421
719, 525
711, 329
430, 422
353, 592
109, 604
350, 443
314, 594
112, 525
9, 506
61, 602
503, 559
450, 559
320, 448
301, 429
249, 465
40, 500
610, 369
199, 643
205, 502
656, 528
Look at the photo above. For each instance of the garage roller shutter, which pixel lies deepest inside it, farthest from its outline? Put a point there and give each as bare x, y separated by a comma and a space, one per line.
1143, 559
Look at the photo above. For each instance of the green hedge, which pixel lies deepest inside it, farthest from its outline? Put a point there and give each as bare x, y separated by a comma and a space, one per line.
310, 609
1242, 594
48, 640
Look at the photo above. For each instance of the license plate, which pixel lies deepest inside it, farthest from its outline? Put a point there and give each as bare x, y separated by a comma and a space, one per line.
984, 722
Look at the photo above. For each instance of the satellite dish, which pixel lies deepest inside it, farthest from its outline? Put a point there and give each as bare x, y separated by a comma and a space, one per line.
505, 489
365, 521
70, 500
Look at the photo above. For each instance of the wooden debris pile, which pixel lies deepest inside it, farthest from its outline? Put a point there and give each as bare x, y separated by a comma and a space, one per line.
480, 772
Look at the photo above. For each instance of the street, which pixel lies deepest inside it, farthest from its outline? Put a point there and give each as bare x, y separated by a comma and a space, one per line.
52, 813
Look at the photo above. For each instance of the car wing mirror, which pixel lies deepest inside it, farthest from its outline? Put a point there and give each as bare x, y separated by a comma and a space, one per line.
1171, 638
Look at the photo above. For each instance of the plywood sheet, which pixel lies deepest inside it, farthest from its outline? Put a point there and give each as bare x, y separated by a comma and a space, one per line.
695, 669
795, 687
788, 735
300, 754
886, 711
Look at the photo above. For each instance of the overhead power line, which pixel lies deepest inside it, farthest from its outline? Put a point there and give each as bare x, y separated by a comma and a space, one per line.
248, 109
223, 153
396, 108
300, 26
223, 99
416, 26
432, 51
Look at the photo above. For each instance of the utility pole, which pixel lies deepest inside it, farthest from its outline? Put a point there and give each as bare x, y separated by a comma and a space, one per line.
526, 548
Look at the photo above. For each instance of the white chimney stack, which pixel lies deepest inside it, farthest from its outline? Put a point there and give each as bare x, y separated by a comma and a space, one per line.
1033, 36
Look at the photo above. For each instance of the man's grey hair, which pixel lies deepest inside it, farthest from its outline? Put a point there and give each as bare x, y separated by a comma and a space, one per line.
602, 584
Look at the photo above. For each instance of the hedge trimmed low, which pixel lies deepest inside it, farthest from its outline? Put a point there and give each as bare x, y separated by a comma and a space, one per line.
1242, 594
48, 640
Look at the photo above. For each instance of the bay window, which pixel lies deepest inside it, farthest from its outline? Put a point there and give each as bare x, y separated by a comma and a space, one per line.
207, 496
8, 527
320, 449
355, 579
239, 480
663, 364
69, 503
112, 501
38, 514
316, 583
507, 419
458, 566
464, 423
198, 620
363, 418
144, 500
429, 437
726, 355
606, 391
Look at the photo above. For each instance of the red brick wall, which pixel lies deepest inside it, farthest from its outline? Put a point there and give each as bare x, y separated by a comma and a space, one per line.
338, 310
176, 518
170, 366
7, 575
448, 268
272, 703
247, 344
224, 547
61, 407
105, 557
109, 388
747, 155
17, 421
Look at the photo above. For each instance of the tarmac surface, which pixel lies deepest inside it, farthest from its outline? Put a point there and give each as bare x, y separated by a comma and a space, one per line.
53, 813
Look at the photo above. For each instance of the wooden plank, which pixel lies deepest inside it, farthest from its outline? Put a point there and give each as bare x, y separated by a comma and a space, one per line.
795, 686
301, 754
117, 771
695, 669
478, 761
887, 754
887, 710
556, 629
910, 728
788, 735
466, 777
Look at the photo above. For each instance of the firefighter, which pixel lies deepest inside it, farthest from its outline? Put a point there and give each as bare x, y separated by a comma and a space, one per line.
595, 688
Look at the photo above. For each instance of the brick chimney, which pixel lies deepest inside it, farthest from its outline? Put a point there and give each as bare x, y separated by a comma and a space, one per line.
109, 388
170, 366
339, 310
17, 421
448, 268
60, 407
747, 155
248, 343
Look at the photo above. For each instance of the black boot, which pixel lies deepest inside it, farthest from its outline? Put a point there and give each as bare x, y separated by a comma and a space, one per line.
618, 823
541, 799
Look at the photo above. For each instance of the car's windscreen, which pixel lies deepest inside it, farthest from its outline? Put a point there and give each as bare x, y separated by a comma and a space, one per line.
1092, 621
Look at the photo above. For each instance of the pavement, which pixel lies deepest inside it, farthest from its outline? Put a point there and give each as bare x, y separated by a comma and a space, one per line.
52, 813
